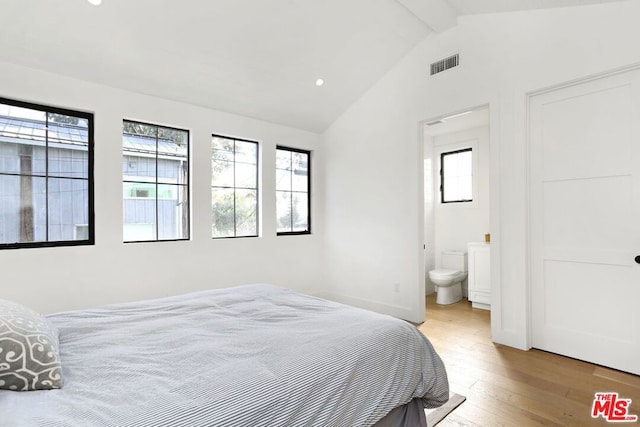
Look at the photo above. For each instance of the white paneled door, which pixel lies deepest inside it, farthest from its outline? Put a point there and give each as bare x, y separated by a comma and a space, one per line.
585, 220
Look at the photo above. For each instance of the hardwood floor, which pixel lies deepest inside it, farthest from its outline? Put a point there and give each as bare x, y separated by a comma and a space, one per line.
509, 387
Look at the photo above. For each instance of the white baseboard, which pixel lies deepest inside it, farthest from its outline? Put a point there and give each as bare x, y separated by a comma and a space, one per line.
389, 309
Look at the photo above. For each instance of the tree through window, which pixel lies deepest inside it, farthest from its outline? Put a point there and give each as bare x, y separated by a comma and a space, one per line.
234, 187
293, 196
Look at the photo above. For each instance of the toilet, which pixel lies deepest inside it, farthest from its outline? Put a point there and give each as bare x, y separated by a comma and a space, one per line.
448, 278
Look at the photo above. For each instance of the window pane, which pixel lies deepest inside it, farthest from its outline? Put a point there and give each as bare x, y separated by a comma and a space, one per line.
224, 153
283, 159
283, 180
22, 140
222, 173
68, 207
172, 171
139, 190
246, 152
451, 189
222, 144
140, 129
451, 165
71, 128
138, 168
246, 176
66, 162
68, 142
23, 209
139, 218
223, 212
283, 211
300, 211
246, 213
173, 214
300, 180
299, 163
283, 170
179, 138
172, 162
136, 147
14, 111
465, 189
465, 163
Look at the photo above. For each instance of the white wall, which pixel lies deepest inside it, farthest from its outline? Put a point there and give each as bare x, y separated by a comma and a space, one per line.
374, 211
431, 193
457, 224
52, 279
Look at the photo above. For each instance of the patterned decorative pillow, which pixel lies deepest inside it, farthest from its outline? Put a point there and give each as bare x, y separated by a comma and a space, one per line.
29, 356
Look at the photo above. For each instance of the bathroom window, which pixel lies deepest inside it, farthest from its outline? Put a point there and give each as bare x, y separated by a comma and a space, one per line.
456, 176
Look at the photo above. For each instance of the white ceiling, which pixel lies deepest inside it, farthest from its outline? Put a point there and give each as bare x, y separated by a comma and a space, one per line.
471, 7
251, 57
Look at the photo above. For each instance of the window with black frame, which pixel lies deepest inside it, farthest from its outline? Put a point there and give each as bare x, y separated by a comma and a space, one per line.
293, 191
155, 182
234, 187
456, 176
46, 176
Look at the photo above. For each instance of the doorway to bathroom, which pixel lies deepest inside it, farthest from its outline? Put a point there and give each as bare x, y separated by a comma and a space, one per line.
456, 196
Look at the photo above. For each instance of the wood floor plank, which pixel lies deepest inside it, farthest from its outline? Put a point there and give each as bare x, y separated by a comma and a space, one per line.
510, 387
617, 376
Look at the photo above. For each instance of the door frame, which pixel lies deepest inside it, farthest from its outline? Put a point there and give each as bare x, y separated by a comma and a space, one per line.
492, 106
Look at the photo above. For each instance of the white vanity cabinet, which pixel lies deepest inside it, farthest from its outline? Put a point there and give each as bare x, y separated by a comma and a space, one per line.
479, 268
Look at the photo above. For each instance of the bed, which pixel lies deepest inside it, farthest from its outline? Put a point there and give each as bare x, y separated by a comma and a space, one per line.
252, 355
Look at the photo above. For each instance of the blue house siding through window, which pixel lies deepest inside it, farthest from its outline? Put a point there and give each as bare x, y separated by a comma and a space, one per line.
23, 146
66, 199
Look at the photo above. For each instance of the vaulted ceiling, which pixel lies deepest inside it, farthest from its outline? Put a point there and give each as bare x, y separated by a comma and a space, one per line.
256, 58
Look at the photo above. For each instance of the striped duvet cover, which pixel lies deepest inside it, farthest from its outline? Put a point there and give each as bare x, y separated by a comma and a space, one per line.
254, 355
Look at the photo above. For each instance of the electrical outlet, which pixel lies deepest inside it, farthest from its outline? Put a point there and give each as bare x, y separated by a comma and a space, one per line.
396, 287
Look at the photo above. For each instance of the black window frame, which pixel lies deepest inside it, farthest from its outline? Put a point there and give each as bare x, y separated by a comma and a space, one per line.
442, 156
187, 185
90, 176
257, 189
308, 192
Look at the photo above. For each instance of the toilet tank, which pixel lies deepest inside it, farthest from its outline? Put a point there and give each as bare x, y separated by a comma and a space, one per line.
454, 260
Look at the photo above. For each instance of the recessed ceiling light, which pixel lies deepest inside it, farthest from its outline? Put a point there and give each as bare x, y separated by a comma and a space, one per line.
95, 2
319, 82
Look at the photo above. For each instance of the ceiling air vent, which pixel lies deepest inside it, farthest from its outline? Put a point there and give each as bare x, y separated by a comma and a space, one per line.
445, 64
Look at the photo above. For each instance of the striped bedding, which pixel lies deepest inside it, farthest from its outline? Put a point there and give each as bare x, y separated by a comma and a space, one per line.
253, 355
